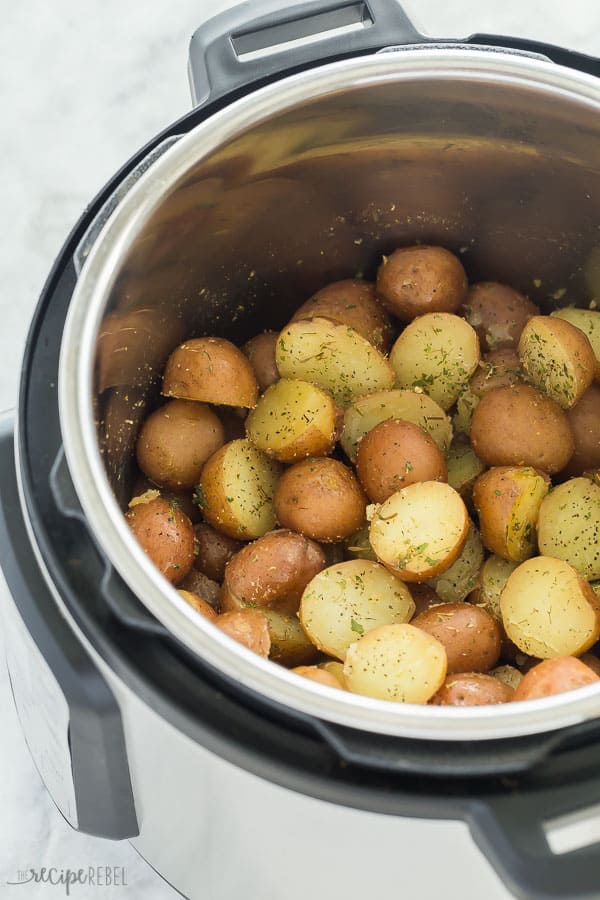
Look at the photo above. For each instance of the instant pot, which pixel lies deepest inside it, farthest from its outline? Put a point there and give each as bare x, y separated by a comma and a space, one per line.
324, 134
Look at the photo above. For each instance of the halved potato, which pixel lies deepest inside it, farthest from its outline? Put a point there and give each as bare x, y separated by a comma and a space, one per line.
396, 662
569, 526
498, 313
289, 644
554, 676
508, 500
464, 467
493, 576
588, 321
351, 302
164, 533
345, 601
410, 406
557, 358
419, 531
549, 610
248, 627
199, 604
210, 369
458, 581
335, 357
236, 491
437, 353
293, 420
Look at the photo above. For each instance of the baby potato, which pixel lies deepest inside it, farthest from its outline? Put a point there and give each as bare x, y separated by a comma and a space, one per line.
248, 627
210, 369
421, 279
351, 302
293, 420
321, 499
458, 581
472, 689
464, 467
394, 454
557, 358
334, 668
508, 500
498, 314
175, 441
588, 321
334, 357
260, 351
492, 577
289, 644
569, 526
470, 635
199, 604
165, 534
438, 353
420, 530
584, 419
345, 601
236, 491
213, 551
548, 609
424, 597
591, 661
358, 546
554, 676
396, 662
501, 368
271, 572
368, 412
519, 426
321, 676
196, 582
509, 675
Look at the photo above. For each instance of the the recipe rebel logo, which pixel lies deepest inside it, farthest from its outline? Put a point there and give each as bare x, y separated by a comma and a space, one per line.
68, 879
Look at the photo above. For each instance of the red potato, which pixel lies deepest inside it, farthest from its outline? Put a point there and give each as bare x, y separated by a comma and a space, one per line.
584, 419
421, 279
212, 370
554, 676
165, 534
196, 582
472, 689
470, 636
248, 627
321, 676
199, 604
260, 351
498, 314
351, 302
213, 551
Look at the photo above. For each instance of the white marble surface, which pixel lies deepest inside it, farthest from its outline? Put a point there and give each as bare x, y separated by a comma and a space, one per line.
82, 86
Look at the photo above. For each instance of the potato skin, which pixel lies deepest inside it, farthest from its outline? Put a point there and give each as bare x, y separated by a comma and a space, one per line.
213, 551
584, 419
519, 426
557, 358
424, 597
197, 582
508, 500
498, 314
199, 604
321, 676
554, 676
321, 499
248, 627
175, 441
591, 661
351, 302
165, 534
500, 368
212, 370
472, 689
272, 572
470, 636
421, 279
394, 454
260, 351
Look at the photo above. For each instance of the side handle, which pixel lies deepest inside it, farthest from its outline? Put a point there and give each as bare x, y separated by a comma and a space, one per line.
256, 40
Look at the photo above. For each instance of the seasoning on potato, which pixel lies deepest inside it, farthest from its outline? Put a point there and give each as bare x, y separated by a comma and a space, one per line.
320, 498
554, 676
212, 370
588, 321
351, 302
498, 313
420, 530
549, 610
175, 441
421, 279
519, 426
557, 358
347, 600
472, 689
395, 454
396, 662
165, 534
470, 636
569, 526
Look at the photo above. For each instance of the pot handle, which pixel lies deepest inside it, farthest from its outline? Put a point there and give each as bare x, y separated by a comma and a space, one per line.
544, 842
257, 40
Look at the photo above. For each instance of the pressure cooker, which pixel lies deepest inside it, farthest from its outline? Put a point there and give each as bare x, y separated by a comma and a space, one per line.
323, 134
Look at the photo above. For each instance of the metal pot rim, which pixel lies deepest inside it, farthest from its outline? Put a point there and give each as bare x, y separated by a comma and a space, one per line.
77, 420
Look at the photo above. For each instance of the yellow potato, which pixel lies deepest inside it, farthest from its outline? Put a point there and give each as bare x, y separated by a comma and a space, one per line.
437, 353
492, 577
557, 358
569, 526
289, 644
419, 531
458, 581
588, 321
351, 302
347, 600
293, 420
396, 662
210, 369
368, 412
236, 491
464, 467
548, 610
335, 668
333, 356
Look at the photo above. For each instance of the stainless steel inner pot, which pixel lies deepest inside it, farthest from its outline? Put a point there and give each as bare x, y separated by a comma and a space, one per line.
492, 154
